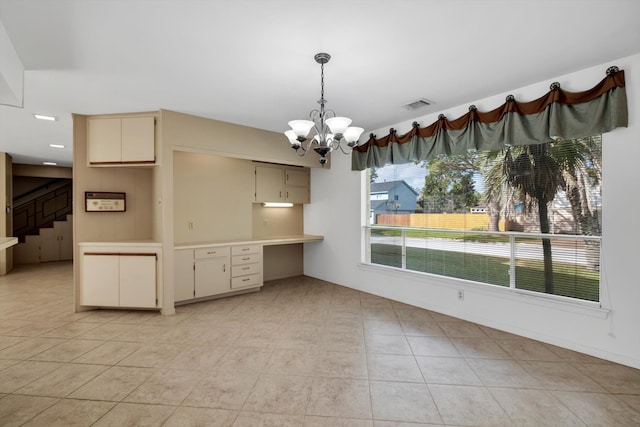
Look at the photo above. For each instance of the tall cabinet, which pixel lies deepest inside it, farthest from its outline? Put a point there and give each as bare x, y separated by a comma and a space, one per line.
118, 251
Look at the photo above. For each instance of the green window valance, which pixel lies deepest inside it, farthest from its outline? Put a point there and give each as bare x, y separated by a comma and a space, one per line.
556, 114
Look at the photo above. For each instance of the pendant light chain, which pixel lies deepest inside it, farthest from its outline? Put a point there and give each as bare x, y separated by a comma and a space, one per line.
322, 100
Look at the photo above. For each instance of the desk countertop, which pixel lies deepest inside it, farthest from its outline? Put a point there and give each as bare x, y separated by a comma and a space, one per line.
265, 241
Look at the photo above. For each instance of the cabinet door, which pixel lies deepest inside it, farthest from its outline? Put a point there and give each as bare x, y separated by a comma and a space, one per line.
297, 177
99, 280
104, 140
297, 183
66, 241
49, 245
138, 280
138, 140
212, 276
297, 195
269, 184
183, 286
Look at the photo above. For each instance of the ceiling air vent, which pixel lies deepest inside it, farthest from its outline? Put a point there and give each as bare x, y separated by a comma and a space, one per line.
415, 105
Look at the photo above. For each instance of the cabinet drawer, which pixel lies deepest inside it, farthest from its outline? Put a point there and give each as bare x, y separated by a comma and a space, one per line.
246, 281
246, 259
211, 252
245, 270
247, 249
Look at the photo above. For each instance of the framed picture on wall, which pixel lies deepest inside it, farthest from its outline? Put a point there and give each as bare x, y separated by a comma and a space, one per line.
95, 201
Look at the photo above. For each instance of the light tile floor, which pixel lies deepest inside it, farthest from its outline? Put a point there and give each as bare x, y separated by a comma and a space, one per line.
301, 352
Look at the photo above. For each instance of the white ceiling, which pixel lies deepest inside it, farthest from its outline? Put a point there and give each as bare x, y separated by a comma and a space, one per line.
251, 61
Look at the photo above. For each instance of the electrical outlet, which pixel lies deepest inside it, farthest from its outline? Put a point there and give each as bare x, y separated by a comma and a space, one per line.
461, 295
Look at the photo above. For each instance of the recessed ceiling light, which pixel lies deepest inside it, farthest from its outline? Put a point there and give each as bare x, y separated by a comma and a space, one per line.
43, 117
56, 146
50, 163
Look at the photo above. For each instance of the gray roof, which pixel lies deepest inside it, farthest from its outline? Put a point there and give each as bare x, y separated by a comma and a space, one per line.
378, 187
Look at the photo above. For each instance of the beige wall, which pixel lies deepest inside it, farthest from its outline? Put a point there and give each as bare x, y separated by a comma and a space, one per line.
212, 198
42, 171
6, 218
191, 133
134, 224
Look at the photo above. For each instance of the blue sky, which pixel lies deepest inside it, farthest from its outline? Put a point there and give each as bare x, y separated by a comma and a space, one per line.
413, 175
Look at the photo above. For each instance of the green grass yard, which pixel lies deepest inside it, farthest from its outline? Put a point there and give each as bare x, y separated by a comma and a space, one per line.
570, 280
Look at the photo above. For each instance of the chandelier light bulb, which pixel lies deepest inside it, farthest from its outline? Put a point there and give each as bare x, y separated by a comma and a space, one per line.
352, 134
301, 127
338, 124
293, 138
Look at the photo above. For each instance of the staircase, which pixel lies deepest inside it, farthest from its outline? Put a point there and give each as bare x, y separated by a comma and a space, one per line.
50, 244
42, 222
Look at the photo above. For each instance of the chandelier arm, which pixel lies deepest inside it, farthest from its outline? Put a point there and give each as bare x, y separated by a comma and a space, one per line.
343, 150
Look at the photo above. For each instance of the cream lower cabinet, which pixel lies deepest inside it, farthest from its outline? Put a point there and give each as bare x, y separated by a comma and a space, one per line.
201, 272
246, 266
118, 280
216, 270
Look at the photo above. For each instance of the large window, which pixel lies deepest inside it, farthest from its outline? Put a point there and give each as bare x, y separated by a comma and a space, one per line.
525, 217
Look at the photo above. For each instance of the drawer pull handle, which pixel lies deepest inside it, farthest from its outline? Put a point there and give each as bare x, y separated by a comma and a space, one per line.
211, 253
246, 249
247, 268
246, 259
245, 280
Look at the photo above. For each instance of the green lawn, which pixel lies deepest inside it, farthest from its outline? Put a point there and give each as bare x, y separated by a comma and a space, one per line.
569, 279
453, 235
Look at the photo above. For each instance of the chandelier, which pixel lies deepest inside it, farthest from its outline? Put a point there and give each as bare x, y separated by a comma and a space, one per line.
330, 130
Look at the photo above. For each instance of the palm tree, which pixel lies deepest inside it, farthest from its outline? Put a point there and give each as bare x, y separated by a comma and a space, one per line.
537, 173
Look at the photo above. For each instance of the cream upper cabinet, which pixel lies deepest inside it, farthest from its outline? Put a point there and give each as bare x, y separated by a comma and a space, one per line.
276, 183
269, 184
297, 184
121, 140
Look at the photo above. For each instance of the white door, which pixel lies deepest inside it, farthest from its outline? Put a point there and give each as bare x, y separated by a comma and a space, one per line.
138, 143
104, 140
212, 276
138, 280
100, 276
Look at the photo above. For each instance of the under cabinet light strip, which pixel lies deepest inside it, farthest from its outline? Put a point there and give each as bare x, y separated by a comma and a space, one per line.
277, 205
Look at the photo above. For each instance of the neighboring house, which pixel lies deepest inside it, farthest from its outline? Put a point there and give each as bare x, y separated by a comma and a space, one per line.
392, 197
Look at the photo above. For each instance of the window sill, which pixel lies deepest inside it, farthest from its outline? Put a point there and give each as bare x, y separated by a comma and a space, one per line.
564, 304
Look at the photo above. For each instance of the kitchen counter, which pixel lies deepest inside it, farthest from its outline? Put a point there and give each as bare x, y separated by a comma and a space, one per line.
264, 241
6, 242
